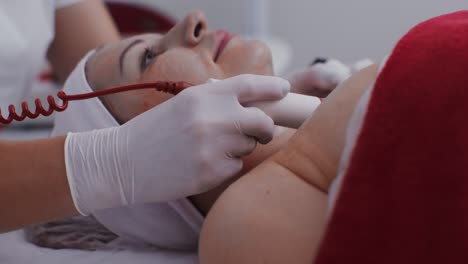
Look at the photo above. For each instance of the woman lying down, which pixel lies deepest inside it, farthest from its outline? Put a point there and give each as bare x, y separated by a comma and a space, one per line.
395, 144
189, 52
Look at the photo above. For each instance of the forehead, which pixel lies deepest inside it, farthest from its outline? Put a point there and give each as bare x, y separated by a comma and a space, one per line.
114, 49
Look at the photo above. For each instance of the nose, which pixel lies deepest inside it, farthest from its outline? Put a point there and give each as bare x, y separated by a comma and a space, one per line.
189, 31
195, 27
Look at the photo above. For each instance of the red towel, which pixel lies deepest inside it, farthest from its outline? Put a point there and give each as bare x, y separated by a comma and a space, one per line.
404, 198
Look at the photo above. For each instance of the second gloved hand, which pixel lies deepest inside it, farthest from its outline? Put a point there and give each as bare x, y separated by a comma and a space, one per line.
319, 79
185, 146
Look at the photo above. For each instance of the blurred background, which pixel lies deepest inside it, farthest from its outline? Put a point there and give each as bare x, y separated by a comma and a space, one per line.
347, 30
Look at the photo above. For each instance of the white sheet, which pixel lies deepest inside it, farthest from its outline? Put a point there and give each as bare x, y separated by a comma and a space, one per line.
14, 249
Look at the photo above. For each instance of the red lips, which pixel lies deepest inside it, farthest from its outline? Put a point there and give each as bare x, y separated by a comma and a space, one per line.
222, 38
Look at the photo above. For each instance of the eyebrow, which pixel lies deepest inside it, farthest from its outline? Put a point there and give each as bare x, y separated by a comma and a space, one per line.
125, 51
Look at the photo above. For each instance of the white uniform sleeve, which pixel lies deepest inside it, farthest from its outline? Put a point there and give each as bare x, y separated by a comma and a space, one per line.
64, 3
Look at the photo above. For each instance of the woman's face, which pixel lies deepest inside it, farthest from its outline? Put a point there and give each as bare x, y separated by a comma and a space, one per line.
189, 52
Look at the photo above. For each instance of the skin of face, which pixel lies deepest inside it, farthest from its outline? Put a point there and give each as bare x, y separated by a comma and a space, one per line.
188, 52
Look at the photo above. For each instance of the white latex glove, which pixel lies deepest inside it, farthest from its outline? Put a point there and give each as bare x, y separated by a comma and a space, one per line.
319, 79
185, 146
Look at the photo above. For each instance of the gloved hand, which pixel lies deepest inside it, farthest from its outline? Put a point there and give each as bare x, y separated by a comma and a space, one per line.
319, 79
323, 76
184, 146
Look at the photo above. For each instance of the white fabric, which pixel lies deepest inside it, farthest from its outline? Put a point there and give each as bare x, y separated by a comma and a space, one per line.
27, 28
173, 225
14, 249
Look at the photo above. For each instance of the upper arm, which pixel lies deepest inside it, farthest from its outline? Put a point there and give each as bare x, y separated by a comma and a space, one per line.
264, 217
79, 28
277, 212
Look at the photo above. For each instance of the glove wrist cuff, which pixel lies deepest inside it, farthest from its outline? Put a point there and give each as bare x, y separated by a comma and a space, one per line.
92, 166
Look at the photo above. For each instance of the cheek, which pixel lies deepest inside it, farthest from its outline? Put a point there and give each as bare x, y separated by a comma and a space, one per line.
181, 65
151, 99
176, 65
252, 57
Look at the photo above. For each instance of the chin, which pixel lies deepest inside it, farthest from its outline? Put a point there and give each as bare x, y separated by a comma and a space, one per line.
252, 57
261, 57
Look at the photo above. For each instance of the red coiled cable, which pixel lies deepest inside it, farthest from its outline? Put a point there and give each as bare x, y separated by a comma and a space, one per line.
163, 86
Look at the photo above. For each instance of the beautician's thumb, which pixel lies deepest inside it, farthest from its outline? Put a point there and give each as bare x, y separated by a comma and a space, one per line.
253, 88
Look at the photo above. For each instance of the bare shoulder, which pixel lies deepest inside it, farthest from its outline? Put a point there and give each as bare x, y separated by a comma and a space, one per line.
270, 215
320, 140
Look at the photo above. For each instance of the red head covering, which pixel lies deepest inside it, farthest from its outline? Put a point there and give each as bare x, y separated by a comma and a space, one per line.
404, 198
